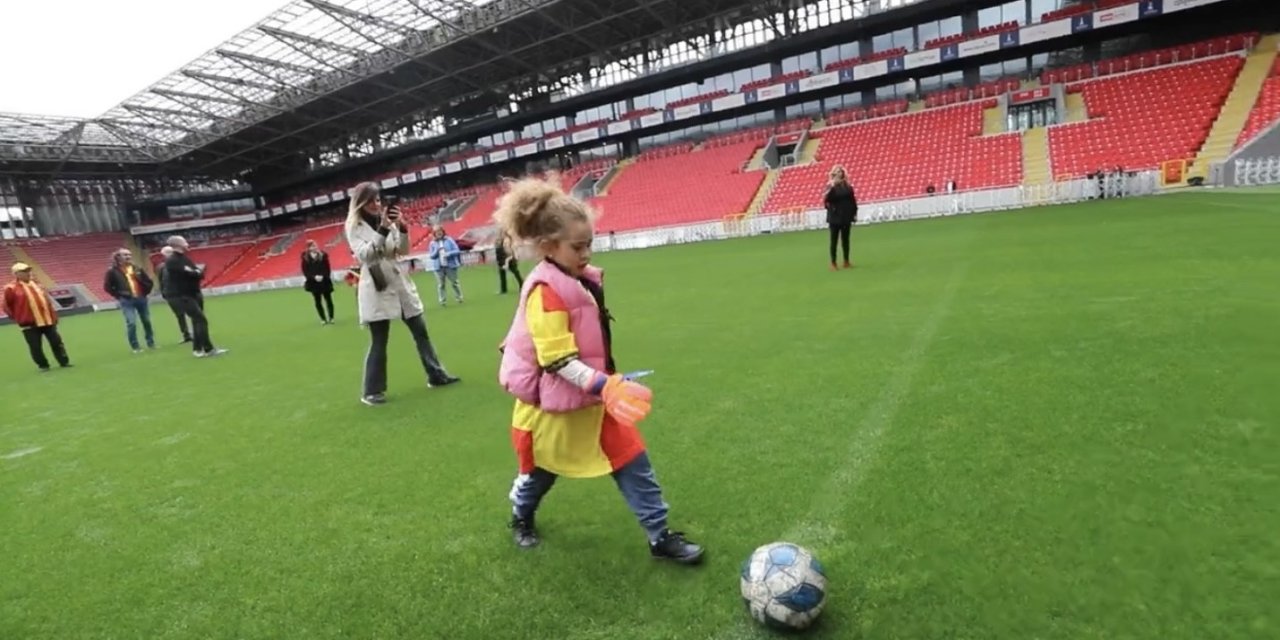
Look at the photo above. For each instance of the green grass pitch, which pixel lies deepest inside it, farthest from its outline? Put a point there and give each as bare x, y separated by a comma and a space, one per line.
1054, 423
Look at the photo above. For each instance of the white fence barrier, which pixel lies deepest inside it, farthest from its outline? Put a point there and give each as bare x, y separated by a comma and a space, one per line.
1256, 172
966, 202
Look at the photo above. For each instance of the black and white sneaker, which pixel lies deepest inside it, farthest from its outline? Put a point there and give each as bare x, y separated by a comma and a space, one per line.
675, 547
524, 533
374, 399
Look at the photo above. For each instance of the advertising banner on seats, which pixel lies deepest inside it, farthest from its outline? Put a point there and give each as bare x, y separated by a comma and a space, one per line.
979, 46
731, 101
1030, 95
1171, 6
1045, 31
924, 58
1115, 15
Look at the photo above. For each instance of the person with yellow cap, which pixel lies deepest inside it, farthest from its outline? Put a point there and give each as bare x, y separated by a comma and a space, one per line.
32, 308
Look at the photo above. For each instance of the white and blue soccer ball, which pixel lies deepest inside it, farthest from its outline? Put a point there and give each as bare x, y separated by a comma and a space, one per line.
784, 586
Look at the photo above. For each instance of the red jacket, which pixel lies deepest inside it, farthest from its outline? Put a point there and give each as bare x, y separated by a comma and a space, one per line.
29, 305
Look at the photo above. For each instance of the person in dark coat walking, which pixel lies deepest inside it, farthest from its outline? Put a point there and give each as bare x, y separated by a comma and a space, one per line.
842, 212
319, 280
504, 254
183, 277
166, 292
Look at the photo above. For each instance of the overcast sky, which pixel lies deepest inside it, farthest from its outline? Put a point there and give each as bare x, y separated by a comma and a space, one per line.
82, 57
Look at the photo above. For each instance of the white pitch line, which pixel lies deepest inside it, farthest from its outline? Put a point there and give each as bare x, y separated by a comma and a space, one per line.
864, 444
20, 452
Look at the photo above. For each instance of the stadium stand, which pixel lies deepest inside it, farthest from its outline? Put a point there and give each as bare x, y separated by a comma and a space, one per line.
679, 184
72, 260
1266, 110
1138, 119
928, 148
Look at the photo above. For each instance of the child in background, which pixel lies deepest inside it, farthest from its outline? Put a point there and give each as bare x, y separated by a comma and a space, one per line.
574, 415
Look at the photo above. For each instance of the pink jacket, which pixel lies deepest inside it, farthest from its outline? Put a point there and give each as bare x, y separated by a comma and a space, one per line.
520, 374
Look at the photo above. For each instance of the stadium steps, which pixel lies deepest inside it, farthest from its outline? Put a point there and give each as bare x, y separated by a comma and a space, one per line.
282, 245
1076, 111
993, 121
1031, 83
21, 255
602, 187
762, 194
809, 152
1235, 111
1035, 157
818, 124
453, 210
757, 160
915, 105
338, 238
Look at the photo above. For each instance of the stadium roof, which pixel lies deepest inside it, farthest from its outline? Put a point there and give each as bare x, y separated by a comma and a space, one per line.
318, 70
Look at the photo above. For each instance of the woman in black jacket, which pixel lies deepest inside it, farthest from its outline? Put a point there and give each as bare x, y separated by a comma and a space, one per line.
842, 212
319, 279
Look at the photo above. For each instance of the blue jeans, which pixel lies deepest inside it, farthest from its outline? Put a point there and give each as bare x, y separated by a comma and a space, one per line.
137, 309
637, 482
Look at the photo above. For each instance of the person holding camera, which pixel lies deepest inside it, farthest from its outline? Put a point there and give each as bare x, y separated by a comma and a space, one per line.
377, 238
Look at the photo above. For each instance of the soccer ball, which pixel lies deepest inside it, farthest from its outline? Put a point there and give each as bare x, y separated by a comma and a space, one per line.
784, 586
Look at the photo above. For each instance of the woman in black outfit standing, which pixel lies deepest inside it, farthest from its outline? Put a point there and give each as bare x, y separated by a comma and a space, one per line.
319, 279
842, 212
504, 253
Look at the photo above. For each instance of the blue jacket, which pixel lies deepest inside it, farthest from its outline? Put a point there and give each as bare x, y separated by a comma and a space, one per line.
452, 254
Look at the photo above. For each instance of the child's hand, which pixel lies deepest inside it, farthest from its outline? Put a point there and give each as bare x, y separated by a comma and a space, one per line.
628, 402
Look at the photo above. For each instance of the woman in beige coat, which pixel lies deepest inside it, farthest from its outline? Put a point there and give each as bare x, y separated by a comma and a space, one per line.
377, 238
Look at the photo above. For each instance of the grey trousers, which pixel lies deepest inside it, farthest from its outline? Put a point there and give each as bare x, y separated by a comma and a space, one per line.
375, 362
450, 274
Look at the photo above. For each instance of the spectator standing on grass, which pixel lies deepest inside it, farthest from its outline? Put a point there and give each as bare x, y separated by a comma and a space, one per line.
184, 279
384, 292
318, 275
842, 212
446, 259
504, 253
130, 286
32, 308
166, 292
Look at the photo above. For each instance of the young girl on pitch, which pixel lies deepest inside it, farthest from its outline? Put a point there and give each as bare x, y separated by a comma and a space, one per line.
575, 416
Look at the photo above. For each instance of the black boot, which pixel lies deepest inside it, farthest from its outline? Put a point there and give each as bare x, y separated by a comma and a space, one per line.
443, 382
673, 546
524, 533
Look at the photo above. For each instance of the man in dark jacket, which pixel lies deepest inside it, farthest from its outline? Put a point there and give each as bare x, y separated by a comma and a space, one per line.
183, 277
130, 286
167, 293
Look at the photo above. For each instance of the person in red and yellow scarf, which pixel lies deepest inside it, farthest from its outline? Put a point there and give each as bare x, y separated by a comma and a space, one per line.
33, 310
574, 416
130, 286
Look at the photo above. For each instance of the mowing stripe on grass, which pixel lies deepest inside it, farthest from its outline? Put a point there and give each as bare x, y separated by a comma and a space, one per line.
817, 531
